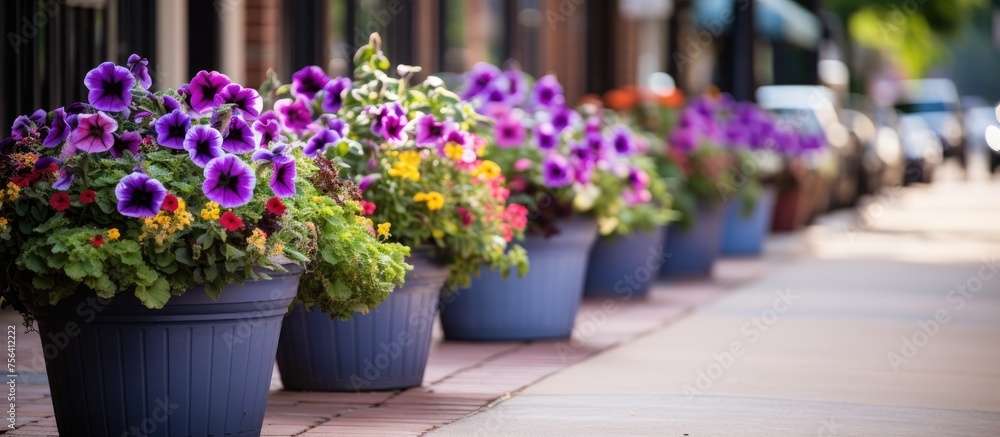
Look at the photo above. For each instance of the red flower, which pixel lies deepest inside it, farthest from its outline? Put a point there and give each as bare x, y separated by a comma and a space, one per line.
169, 203
367, 208
87, 197
231, 221
60, 201
51, 168
467, 216
21, 181
97, 241
274, 206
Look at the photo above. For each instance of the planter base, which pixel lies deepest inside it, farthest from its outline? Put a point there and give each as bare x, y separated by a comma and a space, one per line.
745, 235
691, 253
625, 267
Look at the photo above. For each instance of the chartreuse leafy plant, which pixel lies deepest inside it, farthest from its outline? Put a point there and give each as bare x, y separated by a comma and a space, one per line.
421, 180
156, 193
560, 161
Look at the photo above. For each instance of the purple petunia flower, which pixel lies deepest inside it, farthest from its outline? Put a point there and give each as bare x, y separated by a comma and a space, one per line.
563, 117
508, 131
204, 87
171, 129
334, 91
294, 115
171, 104
481, 75
280, 152
547, 92
139, 68
546, 136
283, 179
229, 181
684, 139
65, 179
139, 195
25, 124
247, 100
268, 128
622, 141
241, 138
430, 131
517, 87
337, 125
309, 81
367, 180
581, 154
737, 135
127, 141
556, 171
204, 144
389, 122
94, 132
597, 145
319, 142
110, 87
811, 142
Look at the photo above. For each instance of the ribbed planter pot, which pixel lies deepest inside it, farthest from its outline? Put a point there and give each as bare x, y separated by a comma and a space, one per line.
195, 367
744, 234
625, 267
540, 305
691, 253
383, 350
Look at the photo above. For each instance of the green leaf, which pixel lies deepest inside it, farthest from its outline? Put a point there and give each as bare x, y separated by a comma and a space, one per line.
154, 296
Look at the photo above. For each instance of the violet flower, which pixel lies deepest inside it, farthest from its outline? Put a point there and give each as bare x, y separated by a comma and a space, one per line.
508, 131
65, 179
478, 78
25, 124
309, 81
684, 139
546, 136
171, 129
283, 178
622, 140
247, 100
318, 143
229, 181
294, 115
127, 141
556, 171
389, 122
139, 195
517, 87
337, 125
94, 132
205, 86
110, 87
563, 117
334, 92
547, 92
170, 104
240, 139
597, 145
279, 152
430, 131
204, 144
268, 128
139, 68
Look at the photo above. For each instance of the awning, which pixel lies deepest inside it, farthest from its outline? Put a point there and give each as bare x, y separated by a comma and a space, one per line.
777, 20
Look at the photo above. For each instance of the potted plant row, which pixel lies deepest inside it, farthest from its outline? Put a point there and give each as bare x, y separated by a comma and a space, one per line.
158, 239
422, 183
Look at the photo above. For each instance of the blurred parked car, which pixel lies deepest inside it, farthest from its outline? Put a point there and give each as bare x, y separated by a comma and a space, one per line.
936, 101
815, 108
922, 148
981, 121
882, 162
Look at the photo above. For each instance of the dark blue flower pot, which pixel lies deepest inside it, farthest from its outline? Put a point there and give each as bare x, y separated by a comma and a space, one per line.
540, 305
690, 253
625, 266
385, 349
195, 367
745, 234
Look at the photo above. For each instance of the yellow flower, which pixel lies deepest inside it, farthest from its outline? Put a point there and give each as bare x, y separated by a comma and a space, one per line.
11, 193
454, 150
437, 233
257, 239
363, 221
278, 249
3, 222
317, 199
488, 170
410, 157
383, 229
211, 211
113, 234
434, 199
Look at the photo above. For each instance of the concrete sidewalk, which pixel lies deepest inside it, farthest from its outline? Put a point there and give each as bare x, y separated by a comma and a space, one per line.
892, 327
